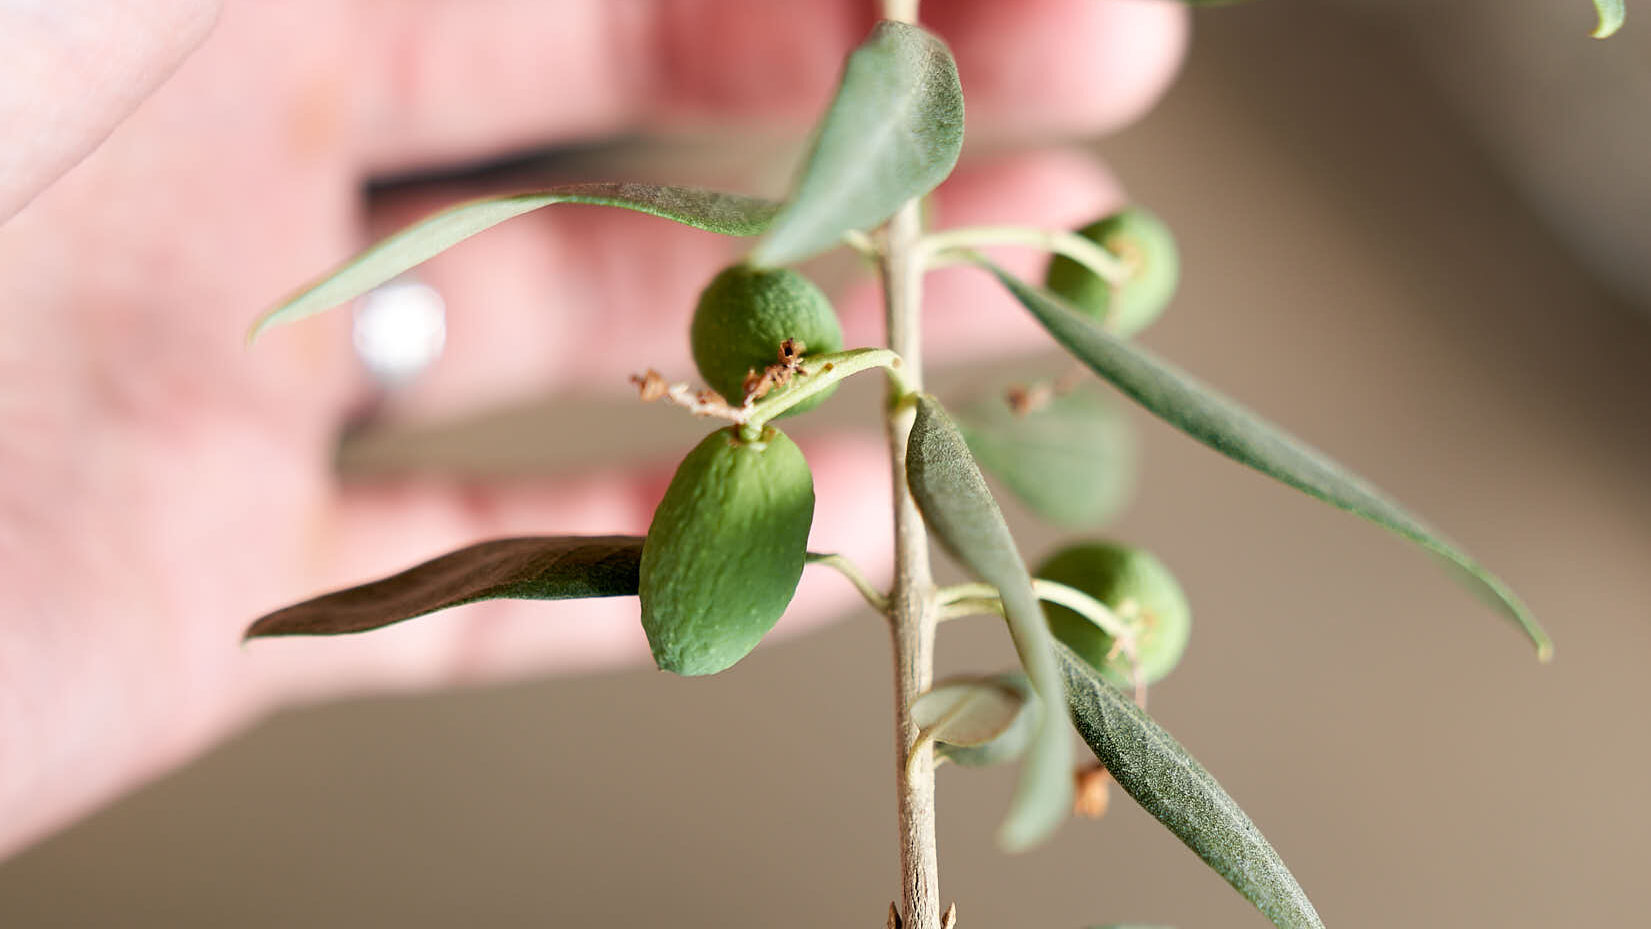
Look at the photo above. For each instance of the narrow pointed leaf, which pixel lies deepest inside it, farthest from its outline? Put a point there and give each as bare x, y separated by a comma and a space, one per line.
1210, 417
728, 214
892, 133
1170, 784
955, 503
1071, 461
1611, 15
536, 568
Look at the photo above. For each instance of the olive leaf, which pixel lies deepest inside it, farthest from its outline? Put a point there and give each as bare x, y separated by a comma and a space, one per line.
1071, 460
1611, 15
953, 498
532, 568
1008, 743
892, 133
1210, 417
713, 211
1170, 784
968, 711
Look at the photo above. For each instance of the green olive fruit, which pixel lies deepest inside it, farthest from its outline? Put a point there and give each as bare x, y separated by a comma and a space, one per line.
1147, 247
1139, 589
725, 550
745, 314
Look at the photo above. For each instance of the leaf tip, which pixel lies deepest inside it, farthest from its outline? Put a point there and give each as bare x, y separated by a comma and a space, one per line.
1019, 834
267, 320
1013, 841
1533, 629
1611, 18
280, 314
259, 629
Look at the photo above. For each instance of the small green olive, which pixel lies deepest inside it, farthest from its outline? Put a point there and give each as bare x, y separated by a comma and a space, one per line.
725, 550
1147, 247
1139, 589
745, 314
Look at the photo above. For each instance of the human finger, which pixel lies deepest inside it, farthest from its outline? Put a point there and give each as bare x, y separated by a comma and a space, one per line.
443, 81
55, 106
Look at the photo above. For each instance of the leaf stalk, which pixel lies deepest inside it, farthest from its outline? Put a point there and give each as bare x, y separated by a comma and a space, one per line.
851, 571
956, 246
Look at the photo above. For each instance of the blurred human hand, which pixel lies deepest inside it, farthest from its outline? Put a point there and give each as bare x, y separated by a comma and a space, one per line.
161, 485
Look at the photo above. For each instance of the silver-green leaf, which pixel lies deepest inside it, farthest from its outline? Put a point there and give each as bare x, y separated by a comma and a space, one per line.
714, 211
892, 133
956, 504
1071, 460
533, 568
1217, 421
1170, 784
969, 711
1611, 15
1012, 741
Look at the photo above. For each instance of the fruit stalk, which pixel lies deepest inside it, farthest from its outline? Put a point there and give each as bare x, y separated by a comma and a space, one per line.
912, 607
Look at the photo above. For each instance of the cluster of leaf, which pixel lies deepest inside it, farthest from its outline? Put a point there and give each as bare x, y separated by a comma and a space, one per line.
727, 546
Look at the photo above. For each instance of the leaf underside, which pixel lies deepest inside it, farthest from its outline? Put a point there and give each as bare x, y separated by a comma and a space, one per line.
957, 506
968, 712
713, 211
1222, 424
532, 568
1170, 784
892, 133
1011, 743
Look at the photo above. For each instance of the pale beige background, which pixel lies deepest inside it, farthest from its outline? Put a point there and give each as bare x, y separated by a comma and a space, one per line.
1354, 269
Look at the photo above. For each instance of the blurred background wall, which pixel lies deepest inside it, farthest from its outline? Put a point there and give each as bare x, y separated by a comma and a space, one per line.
1382, 254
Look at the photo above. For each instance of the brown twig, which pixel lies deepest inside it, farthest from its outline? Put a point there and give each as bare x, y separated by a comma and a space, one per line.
652, 386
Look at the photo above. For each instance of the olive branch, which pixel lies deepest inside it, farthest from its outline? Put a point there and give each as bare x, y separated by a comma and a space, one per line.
728, 542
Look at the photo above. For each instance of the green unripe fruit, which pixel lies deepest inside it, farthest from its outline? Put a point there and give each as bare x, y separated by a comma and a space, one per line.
1146, 246
743, 317
725, 550
1139, 589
